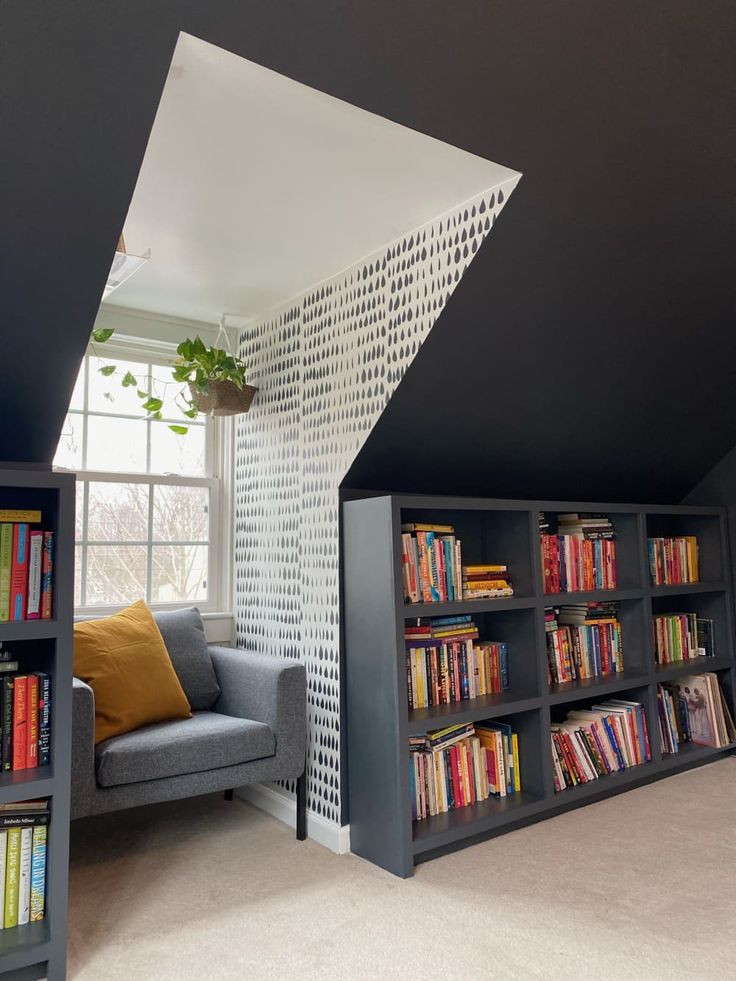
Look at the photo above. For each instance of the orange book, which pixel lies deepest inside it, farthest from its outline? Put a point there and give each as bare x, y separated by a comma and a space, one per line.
20, 722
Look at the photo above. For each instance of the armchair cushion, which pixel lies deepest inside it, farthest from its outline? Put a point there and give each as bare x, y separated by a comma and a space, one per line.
204, 742
183, 634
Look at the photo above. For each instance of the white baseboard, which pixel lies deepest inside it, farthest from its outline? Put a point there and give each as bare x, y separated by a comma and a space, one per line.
319, 829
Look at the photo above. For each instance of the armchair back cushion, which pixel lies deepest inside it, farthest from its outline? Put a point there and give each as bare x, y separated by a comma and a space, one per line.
124, 660
183, 634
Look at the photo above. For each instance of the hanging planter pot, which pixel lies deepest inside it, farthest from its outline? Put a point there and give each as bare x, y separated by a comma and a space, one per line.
222, 398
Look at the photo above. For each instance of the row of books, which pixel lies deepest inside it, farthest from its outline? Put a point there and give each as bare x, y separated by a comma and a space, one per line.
26, 567
431, 562
583, 641
694, 709
461, 765
25, 717
682, 636
433, 570
594, 742
23, 838
673, 561
578, 552
445, 662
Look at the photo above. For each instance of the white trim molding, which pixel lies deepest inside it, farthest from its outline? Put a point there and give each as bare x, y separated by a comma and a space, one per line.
319, 829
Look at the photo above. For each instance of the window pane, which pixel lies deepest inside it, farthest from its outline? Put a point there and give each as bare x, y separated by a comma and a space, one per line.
115, 574
77, 401
69, 450
106, 394
117, 512
179, 573
79, 512
116, 445
177, 454
172, 394
180, 514
78, 575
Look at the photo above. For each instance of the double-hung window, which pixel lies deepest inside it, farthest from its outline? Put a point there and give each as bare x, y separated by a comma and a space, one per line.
148, 499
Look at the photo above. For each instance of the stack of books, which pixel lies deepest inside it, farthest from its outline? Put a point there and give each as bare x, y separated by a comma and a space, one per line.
431, 562
25, 716
583, 641
26, 567
461, 765
673, 561
578, 552
694, 709
486, 581
446, 663
682, 636
23, 835
594, 742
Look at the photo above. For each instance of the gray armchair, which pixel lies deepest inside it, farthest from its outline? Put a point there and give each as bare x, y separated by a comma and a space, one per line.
253, 730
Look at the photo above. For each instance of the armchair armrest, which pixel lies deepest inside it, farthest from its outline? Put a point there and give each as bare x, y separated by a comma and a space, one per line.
267, 689
83, 748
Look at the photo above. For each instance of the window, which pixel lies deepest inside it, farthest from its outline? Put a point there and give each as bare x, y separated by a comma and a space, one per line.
148, 500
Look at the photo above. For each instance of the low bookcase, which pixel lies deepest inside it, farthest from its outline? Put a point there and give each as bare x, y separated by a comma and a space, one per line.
379, 721
38, 949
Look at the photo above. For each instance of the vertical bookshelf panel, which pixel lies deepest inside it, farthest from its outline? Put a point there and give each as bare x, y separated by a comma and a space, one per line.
628, 552
378, 768
635, 634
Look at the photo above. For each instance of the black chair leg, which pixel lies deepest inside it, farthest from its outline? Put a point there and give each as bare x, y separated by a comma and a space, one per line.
229, 794
301, 806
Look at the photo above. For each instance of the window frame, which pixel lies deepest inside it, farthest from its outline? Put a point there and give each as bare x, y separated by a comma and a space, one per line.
218, 479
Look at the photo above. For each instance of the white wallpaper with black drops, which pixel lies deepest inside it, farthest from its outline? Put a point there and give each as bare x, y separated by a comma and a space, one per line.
325, 366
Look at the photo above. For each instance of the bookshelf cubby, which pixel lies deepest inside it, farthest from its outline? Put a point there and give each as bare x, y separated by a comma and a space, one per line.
380, 721
38, 950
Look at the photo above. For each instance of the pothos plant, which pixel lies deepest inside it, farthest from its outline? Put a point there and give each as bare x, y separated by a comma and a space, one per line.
209, 379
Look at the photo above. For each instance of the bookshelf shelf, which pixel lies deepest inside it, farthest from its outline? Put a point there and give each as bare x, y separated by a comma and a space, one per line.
379, 720
483, 707
568, 691
36, 950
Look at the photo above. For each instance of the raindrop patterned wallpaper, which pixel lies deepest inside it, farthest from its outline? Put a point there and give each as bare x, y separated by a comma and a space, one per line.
325, 366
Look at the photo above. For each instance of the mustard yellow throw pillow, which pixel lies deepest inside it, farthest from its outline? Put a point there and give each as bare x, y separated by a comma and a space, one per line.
125, 662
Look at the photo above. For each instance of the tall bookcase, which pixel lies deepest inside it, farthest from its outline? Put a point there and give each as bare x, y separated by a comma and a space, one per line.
38, 950
380, 722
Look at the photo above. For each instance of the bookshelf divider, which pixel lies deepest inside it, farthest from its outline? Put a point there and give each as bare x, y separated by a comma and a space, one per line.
379, 721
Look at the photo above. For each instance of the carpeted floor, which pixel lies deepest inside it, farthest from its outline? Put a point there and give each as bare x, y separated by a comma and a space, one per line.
640, 887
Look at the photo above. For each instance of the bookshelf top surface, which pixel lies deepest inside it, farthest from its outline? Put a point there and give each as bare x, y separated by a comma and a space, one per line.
11, 477
431, 502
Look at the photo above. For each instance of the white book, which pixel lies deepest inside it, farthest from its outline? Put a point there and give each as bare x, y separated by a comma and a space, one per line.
35, 553
3, 863
24, 890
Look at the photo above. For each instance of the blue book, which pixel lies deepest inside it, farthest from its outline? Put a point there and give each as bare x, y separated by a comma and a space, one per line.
449, 570
504, 659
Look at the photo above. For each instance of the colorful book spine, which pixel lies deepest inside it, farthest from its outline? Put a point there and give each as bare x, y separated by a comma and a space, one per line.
13, 515
8, 685
3, 868
19, 573
44, 719
35, 558
20, 722
24, 876
12, 875
6, 566
32, 697
38, 873
47, 576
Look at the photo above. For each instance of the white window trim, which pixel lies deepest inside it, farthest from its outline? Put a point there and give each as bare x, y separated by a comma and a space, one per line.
220, 464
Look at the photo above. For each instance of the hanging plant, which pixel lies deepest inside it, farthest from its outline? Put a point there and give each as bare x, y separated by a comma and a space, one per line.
209, 379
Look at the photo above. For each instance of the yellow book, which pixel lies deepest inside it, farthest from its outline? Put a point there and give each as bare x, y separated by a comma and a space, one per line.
12, 877
475, 569
20, 517
517, 771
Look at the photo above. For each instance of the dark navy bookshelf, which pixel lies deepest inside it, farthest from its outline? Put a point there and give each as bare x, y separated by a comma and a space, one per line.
38, 950
379, 720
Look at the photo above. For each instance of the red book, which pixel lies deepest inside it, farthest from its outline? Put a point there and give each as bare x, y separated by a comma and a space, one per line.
19, 573
32, 727
20, 722
457, 793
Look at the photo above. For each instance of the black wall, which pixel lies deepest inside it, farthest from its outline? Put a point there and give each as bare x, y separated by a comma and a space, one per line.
587, 353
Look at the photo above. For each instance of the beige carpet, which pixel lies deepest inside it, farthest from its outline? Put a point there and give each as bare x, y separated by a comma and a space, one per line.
637, 887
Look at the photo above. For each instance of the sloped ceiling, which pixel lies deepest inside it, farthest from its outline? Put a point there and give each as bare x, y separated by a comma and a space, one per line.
588, 349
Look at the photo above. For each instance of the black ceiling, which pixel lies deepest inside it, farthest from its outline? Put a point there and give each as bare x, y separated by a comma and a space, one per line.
588, 350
